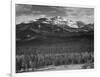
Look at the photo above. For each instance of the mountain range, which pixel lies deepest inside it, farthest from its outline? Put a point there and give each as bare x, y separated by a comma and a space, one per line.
52, 27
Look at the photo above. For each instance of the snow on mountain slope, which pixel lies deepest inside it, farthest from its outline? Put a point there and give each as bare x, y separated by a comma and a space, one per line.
72, 24
58, 20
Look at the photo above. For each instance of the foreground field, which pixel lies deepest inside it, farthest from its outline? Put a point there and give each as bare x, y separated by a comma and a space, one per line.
60, 67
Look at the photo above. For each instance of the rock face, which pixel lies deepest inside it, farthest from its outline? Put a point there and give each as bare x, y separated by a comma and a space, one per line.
54, 26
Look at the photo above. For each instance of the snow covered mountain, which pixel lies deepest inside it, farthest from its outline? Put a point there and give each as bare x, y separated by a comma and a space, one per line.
54, 26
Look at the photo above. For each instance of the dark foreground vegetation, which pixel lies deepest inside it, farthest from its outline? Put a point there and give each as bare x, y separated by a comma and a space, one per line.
27, 62
36, 54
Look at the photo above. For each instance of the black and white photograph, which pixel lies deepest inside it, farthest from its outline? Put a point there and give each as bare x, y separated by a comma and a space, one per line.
53, 38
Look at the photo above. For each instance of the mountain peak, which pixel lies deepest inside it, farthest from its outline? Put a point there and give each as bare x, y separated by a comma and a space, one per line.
58, 20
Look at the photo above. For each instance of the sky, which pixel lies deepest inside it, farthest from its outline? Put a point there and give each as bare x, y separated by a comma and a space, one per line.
26, 13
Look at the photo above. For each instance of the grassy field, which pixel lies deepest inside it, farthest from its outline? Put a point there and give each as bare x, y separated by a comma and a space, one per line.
37, 54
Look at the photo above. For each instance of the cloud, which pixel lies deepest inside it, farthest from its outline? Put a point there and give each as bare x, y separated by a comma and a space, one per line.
79, 11
52, 11
36, 12
27, 18
23, 9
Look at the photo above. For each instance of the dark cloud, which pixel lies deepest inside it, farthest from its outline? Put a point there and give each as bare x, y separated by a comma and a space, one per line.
37, 9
